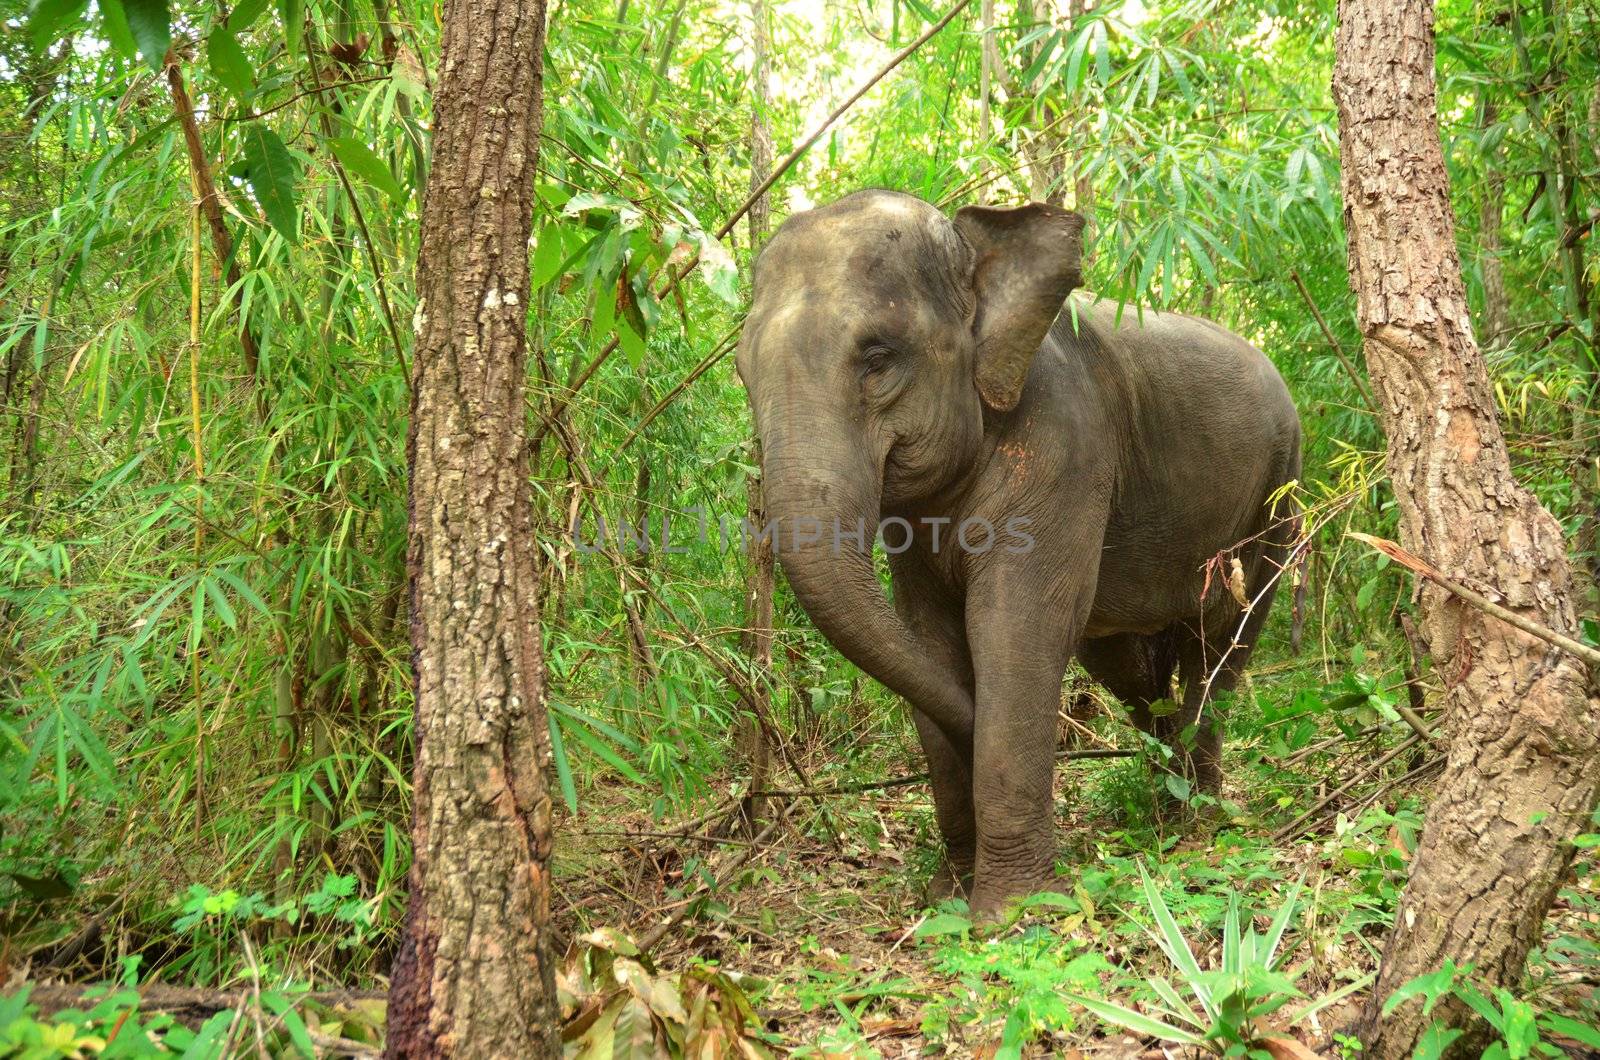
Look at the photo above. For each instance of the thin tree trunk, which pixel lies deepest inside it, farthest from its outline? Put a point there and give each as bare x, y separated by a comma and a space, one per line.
1523, 765
989, 63
750, 737
1496, 308
475, 975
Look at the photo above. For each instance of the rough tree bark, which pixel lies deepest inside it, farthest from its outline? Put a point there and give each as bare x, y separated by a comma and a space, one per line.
1523, 769
751, 735
475, 972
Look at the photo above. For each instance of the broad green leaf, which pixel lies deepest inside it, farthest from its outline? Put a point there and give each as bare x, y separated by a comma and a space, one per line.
243, 15
1434, 1041
1050, 900
48, 20
228, 63
605, 309
283, 1008
272, 172
1430, 988
358, 158
717, 268
1582, 1033
547, 255
1179, 787
293, 13
633, 345
151, 25
942, 924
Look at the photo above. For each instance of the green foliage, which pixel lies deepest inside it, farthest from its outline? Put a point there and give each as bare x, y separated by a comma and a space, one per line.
206, 676
1518, 1028
1247, 985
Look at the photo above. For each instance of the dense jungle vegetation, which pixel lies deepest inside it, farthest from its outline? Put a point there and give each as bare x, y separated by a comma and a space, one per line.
207, 743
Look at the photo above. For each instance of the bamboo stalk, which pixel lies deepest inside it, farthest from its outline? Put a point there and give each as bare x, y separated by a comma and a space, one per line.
206, 194
199, 503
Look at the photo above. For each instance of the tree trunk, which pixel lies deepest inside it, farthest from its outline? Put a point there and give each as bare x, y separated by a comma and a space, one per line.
1522, 770
750, 738
475, 975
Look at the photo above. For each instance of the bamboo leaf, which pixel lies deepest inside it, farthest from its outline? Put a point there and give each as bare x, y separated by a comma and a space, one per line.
151, 25
293, 13
358, 158
272, 172
228, 63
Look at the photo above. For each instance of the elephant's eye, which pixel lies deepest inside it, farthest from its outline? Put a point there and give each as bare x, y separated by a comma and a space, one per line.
877, 358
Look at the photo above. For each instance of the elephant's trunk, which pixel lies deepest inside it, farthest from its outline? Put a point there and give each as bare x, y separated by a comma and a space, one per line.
824, 500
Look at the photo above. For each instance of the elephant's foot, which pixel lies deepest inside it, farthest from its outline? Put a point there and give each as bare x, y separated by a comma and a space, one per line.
949, 880
991, 891
1184, 815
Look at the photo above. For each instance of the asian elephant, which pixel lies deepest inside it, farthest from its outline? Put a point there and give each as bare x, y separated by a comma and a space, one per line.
1049, 484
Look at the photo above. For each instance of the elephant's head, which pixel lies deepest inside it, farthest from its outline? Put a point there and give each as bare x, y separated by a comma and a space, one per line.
879, 331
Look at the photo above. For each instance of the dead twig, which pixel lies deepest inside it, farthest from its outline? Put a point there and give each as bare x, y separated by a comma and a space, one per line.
1297, 825
921, 778
651, 938
193, 1002
1338, 350
1421, 566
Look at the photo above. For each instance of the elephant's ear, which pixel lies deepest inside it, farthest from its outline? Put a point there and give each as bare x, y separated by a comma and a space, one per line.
1026, 263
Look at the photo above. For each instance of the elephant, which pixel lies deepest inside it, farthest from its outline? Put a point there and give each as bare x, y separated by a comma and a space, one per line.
929, 376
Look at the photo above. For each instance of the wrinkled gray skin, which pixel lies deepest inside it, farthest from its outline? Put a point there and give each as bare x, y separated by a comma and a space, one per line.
902, 363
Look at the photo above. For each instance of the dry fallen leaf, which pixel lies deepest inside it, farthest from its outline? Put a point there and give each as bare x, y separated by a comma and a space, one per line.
1286, 1049
1236, 583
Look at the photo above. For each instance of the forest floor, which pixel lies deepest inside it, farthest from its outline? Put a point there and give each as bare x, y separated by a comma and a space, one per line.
826, 928
814, 938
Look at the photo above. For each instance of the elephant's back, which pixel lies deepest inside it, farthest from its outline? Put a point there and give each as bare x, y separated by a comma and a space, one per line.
1179, 380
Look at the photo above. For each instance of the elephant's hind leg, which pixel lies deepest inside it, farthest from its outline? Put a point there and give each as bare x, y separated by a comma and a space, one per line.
1137, 668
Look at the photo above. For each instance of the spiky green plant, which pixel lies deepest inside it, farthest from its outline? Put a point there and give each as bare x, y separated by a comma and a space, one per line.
1248, 985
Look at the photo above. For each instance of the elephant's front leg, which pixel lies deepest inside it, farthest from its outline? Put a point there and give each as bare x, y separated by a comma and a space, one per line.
933, 613
1021, 628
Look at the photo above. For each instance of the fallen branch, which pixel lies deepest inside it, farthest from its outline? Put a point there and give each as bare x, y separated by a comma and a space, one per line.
1294, 827
1420, 566
179, 1000
921, 778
